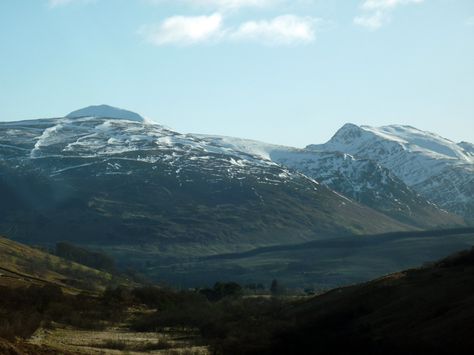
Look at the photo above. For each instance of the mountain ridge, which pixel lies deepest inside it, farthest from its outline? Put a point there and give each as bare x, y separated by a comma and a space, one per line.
435, 167
363, 180
428, 170
120, 182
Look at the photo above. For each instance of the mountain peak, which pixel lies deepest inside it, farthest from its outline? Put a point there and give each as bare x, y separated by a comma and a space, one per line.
348, 133
344, 136
106, 111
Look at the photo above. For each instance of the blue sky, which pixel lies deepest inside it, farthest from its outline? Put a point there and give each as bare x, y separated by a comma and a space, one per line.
281, 71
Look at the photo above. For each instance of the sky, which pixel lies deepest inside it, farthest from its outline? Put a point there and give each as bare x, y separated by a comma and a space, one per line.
281, 71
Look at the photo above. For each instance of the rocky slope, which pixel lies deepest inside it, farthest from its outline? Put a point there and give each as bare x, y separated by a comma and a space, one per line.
437, 168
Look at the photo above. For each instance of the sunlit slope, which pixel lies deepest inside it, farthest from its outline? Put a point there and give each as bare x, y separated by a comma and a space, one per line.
21, 265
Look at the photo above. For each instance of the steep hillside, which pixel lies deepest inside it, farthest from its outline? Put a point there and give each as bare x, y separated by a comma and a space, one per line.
21, 265
119, 182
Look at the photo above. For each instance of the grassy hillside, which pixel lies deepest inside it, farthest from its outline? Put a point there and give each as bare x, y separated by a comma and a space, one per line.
21, 265
53, 306
417, 311
321, 264
45, 320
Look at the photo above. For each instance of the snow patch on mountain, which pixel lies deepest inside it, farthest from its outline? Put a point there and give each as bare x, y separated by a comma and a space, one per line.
352, 138
251, 147
415, 140
439, 169
69, 139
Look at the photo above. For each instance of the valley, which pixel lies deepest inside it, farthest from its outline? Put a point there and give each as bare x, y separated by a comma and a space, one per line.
427, 308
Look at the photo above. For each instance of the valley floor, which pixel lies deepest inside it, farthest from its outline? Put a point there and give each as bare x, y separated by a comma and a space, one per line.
116, 340
428, 309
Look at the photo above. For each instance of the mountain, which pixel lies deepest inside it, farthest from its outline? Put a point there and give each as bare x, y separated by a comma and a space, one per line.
132, 185
362, 180
437, 168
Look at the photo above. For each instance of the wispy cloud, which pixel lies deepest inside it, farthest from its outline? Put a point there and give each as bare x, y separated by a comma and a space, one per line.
188, 30
282, 30
221, 4
377, 13
386, 4
373, 20
216, 4
183, 30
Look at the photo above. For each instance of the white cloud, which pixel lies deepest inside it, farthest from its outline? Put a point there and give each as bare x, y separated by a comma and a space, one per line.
470, 21
372, 21
377, 12
282, 30
187, 30
222, 4
219, 4
184, 30
237, 3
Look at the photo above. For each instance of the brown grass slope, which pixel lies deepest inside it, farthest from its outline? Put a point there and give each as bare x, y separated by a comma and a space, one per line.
37, 288
418, 311
23, 266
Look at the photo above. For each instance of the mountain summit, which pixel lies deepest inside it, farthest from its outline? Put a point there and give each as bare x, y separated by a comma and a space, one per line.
106, 111
438, 169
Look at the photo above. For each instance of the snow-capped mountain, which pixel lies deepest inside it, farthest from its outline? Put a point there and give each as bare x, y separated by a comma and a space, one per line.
363, 180
437, 168
123, 180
